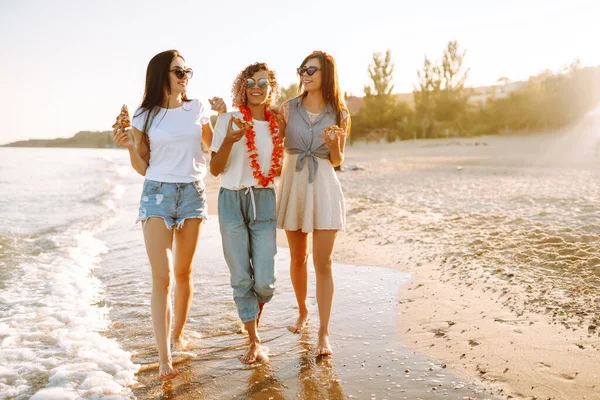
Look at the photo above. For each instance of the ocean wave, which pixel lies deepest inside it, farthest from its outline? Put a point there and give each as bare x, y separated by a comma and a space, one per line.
51, 325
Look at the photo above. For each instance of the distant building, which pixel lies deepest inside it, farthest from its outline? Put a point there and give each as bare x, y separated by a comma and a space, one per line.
355, 103
478, 98
481, 95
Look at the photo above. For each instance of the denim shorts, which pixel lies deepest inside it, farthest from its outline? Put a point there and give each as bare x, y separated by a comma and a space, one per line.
173, 202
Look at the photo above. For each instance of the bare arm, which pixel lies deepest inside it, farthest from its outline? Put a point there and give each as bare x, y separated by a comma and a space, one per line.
338, 143
139, 153
216, 104
218, 159
281, 117
207, 135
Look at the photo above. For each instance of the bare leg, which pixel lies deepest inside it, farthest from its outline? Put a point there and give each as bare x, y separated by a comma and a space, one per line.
323, 244
186, 240
243, 329
260, 307
298, 242
255, 351
159, 242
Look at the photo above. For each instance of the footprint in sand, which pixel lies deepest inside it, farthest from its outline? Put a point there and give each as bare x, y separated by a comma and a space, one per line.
568, 377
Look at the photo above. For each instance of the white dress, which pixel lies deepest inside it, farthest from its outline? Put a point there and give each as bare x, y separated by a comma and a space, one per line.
304, 205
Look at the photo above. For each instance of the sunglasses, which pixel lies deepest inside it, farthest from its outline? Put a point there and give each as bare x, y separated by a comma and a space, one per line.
180, 72
310, 71
262, 83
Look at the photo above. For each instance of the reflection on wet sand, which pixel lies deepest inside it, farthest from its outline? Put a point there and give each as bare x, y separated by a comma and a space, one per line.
307, 377
263, 384
368, 359
317, 377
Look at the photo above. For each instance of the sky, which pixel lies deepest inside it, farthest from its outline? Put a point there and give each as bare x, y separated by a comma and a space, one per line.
67, 66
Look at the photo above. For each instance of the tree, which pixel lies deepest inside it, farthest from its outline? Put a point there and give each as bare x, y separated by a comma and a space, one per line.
287, 93
381, 73
547, 101
381, 109
441, 99
424, 97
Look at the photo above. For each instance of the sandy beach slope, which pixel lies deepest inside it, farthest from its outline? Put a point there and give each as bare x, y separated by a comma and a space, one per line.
500, 235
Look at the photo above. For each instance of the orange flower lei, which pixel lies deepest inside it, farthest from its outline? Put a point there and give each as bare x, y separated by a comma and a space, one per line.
263, 180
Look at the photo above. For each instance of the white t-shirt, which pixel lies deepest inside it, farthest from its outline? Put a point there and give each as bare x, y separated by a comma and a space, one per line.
175, 143
238, 172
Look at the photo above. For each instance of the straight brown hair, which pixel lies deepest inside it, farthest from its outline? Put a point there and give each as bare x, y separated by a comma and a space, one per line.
157, 87
330, 88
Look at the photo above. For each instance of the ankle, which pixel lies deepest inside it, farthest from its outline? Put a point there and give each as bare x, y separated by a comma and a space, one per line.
177, 335
303, 311
324, 332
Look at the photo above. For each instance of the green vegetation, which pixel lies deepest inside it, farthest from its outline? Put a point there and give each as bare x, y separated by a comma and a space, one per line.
444, 107
440, 104
81, 139
382, 110
288, 92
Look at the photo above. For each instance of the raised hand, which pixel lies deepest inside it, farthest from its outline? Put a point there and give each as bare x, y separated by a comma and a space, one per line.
234, 135
217, 104
122, 138
332, 136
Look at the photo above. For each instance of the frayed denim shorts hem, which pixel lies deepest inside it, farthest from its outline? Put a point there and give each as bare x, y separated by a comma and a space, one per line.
173, 202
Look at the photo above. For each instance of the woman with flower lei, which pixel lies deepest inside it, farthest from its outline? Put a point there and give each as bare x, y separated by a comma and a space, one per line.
246, 153
310, 199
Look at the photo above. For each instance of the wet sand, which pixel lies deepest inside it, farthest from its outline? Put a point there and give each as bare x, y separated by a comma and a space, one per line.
500, 235
369, 361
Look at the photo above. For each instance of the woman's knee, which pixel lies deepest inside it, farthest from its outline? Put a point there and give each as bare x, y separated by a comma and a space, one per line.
241, 285
299, 260
323, 267
162, 282
264, 290
183, 275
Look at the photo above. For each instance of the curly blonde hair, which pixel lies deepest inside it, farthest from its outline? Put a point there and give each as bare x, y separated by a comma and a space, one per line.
238, 90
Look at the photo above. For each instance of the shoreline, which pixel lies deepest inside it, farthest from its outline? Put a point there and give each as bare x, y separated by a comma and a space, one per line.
469, 330
480, 327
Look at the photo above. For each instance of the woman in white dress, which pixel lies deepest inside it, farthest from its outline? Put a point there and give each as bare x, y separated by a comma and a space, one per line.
310, 198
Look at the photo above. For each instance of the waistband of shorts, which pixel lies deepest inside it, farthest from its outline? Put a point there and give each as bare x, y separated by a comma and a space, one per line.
247, 188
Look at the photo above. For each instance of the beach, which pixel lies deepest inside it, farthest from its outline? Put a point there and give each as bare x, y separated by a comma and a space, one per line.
75, 304
500, 236
468, 270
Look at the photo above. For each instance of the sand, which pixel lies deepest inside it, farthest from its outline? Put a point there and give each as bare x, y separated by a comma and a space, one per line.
504, 289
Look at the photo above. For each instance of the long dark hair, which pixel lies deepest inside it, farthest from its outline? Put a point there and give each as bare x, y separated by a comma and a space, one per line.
238, 89
330, 88
157, 87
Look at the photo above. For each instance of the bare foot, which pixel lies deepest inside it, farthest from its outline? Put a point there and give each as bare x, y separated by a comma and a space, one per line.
181, 343
323, 346
256, 352
242, 329
301, 323
167, 372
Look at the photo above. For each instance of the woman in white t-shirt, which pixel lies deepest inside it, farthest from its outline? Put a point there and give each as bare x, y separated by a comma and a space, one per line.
246, 152
168, 129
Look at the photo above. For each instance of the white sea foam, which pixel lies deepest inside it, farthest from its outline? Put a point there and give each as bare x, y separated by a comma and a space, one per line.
51, 329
